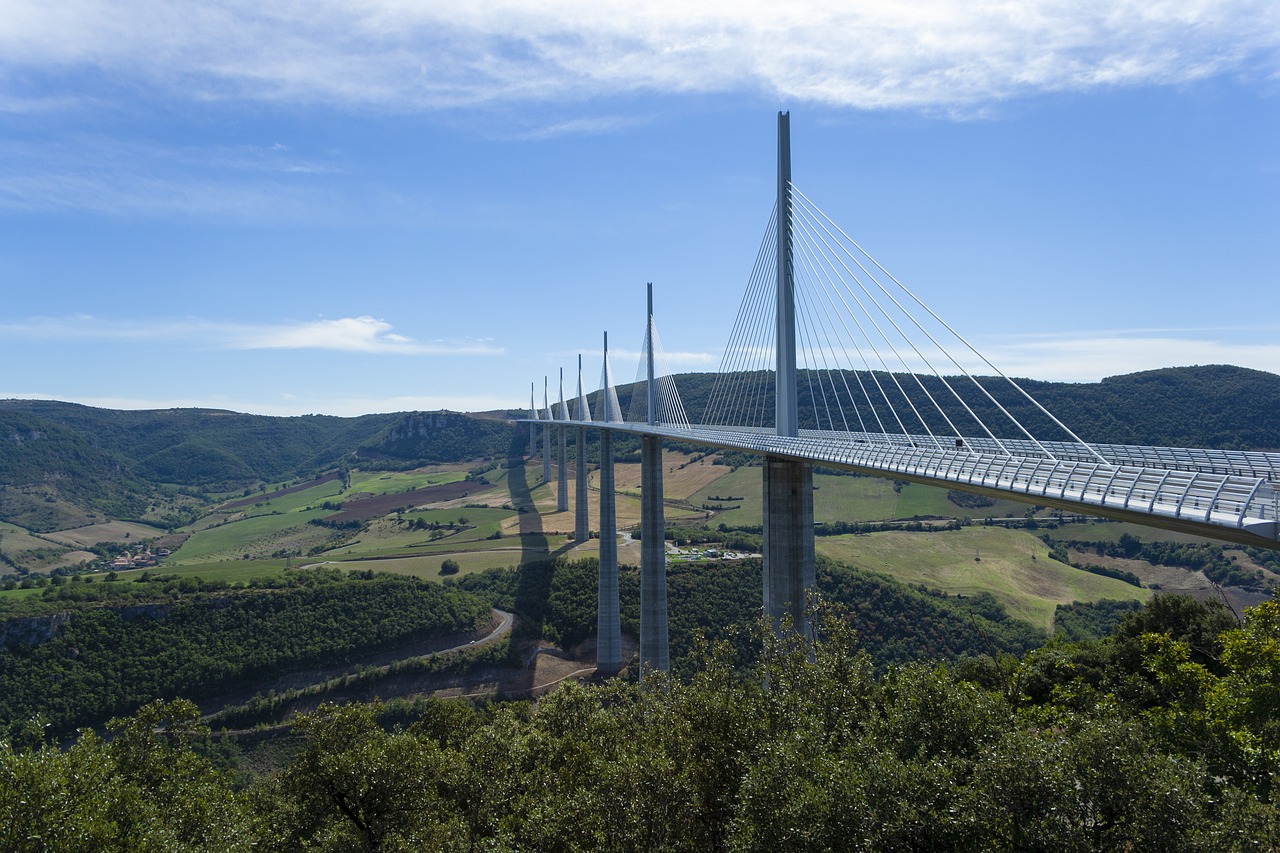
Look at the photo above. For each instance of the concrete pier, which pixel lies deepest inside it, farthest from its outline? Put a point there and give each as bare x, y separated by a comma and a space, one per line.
789, 569
608, 617
654, 652
562, 474
581, 518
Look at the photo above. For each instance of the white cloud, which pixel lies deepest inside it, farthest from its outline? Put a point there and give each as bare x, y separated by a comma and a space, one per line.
347, 334
406, 55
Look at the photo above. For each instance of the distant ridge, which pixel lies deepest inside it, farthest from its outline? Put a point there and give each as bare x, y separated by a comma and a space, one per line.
61, 461
1217, 406
62, 464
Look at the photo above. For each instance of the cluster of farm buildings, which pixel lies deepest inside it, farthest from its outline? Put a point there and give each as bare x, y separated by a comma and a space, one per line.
139, 560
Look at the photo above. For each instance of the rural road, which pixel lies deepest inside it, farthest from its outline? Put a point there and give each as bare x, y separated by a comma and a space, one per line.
504, 628
295, 681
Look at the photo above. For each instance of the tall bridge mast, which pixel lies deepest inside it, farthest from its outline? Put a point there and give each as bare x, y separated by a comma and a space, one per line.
785, 312
789, 562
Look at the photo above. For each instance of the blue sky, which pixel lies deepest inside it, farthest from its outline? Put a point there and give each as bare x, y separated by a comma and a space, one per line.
341, 207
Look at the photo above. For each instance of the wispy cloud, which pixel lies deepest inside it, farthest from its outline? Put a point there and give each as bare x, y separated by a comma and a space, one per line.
577, 127
874, 54
353, 334
346, 334
105, 175
622, 358
1086, 356
1092, 356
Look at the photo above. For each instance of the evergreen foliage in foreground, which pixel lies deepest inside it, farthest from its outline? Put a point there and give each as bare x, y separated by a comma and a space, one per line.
1136, 745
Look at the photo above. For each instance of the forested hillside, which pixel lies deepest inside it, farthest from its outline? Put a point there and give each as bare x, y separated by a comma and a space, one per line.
80, 665
422, 438
51, 474
62, 463
209, 447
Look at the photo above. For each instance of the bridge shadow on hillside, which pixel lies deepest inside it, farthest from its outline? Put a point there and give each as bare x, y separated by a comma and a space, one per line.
533, 539
535, 571
534, 544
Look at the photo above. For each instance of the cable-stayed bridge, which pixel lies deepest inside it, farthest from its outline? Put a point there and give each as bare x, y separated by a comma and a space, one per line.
833, 361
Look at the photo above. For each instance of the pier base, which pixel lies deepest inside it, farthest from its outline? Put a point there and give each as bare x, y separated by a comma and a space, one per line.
608, 615
581, 518
654, 654
562, 474
789, 571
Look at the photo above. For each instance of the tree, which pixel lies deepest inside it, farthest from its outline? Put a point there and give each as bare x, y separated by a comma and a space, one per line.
143, 790
1231, 720
449, 567
356, 786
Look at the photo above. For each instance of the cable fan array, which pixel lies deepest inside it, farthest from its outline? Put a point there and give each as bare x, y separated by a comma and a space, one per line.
669, 410
873, 360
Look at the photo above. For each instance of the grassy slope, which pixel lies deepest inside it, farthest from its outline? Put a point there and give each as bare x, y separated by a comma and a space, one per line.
39, 552
1029, 588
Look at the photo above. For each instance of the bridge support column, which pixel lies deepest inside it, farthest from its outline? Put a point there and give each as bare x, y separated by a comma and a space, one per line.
608, 615
653, 560
789, 569
562, 473
581, 518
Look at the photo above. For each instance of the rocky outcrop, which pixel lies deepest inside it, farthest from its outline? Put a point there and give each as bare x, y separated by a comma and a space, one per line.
31, 630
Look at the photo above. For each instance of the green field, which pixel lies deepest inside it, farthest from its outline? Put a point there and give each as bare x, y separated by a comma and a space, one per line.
381, 483
839, 498
257, 535
330, 491
273, 524
230, 571
1012, 565
17, 594
429, 567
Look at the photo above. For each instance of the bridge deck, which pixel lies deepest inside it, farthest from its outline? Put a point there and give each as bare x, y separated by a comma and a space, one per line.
1204, 492
1242, 463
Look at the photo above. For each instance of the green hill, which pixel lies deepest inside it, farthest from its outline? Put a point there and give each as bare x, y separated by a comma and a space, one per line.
52, 476
1217, 406
62, 464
